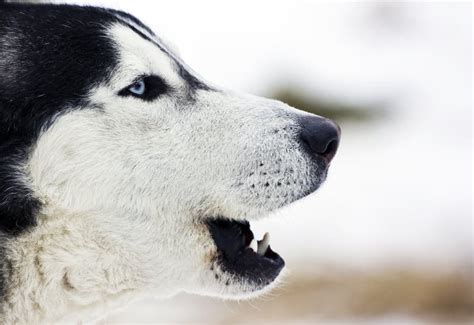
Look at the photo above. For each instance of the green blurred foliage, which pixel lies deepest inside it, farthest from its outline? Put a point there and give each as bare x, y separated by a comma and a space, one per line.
334, 110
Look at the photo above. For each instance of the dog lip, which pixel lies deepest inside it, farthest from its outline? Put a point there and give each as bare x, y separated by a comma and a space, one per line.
232, 239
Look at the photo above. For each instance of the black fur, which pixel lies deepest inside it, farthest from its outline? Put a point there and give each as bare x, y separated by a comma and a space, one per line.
50, 56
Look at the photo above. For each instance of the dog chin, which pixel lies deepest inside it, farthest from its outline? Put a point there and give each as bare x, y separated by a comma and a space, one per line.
239, 288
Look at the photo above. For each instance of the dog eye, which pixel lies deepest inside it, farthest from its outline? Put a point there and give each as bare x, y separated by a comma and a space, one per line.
138, 88
147, 88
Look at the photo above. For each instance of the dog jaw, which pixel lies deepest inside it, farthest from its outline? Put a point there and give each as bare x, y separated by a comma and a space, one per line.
80, 266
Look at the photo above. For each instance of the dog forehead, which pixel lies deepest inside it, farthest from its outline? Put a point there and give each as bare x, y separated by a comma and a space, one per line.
180, 71
141, 54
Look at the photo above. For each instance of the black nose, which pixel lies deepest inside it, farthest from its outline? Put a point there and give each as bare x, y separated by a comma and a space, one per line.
319, 136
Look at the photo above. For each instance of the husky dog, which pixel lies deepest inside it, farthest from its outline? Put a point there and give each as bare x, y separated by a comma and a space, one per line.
124, 174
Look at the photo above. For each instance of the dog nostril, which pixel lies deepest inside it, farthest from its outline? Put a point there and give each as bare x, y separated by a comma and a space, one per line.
331, 149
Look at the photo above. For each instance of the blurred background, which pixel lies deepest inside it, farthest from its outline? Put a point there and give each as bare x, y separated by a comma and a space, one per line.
388, 239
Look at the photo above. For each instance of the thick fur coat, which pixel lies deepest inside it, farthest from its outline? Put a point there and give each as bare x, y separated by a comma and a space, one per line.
124, 174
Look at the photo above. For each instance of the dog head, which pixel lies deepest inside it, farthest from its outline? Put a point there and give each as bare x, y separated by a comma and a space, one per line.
98, 115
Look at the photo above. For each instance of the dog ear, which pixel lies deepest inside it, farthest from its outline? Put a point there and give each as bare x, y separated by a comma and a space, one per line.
18, 207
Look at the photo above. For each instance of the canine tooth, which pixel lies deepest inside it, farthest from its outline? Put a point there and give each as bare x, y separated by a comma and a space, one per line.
253, 245
263, 244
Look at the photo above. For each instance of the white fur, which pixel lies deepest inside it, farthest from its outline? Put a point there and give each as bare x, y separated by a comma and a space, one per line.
126, 185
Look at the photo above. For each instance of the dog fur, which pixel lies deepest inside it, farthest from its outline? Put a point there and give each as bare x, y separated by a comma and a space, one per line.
104, 195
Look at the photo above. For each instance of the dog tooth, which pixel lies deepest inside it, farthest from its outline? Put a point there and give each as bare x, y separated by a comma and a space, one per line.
263, 244
253, 245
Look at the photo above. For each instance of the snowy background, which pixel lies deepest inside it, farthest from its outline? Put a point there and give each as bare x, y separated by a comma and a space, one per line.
398, 201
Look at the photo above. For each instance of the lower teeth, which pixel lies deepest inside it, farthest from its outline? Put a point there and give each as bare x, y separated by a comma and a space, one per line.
263, 244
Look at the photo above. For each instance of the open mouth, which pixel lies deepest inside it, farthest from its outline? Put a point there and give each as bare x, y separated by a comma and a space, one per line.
240, 254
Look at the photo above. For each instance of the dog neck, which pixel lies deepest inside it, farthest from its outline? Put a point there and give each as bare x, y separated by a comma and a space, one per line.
65, 266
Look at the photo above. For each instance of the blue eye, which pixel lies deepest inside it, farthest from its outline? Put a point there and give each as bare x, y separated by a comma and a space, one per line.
138, 88
146, 88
